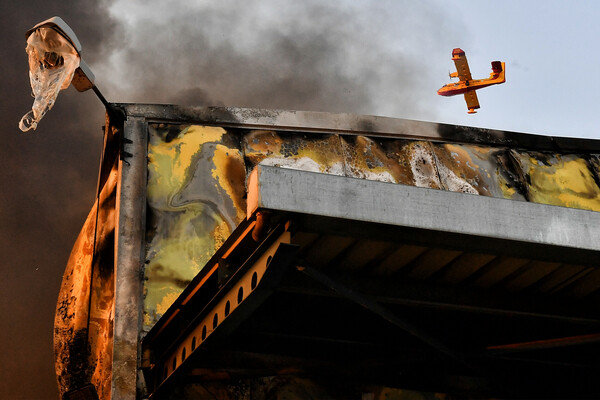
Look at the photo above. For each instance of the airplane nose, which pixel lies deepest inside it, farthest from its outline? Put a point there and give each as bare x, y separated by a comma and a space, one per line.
443, 91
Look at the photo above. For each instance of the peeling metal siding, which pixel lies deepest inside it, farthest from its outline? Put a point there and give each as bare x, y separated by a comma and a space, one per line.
101, 310
197, 175
83, 353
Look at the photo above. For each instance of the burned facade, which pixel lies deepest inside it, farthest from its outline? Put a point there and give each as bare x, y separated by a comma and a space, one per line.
239, 253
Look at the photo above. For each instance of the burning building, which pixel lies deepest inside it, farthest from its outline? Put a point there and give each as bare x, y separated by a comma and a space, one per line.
256, 254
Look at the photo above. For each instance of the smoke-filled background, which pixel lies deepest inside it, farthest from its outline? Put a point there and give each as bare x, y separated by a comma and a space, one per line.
369, 57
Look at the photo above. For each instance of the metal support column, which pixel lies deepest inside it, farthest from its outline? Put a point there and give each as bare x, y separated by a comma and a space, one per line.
131, 209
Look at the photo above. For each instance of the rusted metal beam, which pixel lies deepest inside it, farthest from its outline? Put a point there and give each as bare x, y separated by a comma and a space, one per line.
235, 301
545, 344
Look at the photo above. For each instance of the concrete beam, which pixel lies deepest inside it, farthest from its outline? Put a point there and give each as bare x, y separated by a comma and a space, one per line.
422, 208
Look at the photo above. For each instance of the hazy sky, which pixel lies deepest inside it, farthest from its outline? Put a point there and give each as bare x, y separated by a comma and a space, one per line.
551, 52
371, 57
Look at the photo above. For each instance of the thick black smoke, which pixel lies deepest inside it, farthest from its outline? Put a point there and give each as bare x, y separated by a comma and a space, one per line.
367, 57
356, 57
47, 185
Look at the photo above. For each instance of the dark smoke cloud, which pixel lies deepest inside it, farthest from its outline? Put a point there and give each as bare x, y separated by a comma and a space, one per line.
357, 57
47, 185
309, 55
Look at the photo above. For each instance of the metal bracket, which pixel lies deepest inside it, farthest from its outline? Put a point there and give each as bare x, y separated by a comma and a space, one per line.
116, 117
245, 291
124, 155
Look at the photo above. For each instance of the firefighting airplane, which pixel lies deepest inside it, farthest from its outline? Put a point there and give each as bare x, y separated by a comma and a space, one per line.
467, 85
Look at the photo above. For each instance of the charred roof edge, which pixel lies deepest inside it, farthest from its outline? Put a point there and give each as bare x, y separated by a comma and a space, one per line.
353, 124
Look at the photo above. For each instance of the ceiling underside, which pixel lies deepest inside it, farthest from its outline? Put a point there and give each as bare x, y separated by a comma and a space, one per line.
363, 303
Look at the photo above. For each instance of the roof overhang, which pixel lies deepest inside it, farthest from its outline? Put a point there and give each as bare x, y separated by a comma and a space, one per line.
328, 292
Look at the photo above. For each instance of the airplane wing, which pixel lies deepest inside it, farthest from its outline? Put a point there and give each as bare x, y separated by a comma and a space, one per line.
462, 66
472, 101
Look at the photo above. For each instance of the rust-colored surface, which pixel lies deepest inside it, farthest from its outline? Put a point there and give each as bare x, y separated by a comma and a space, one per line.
83, 326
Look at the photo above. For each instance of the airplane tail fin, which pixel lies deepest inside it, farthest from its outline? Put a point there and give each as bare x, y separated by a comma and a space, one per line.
497, 67
498, 71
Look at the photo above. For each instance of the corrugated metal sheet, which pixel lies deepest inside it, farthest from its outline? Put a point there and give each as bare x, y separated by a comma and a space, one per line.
439, 266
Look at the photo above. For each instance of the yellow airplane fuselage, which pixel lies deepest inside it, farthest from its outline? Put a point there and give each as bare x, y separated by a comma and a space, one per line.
461, 87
